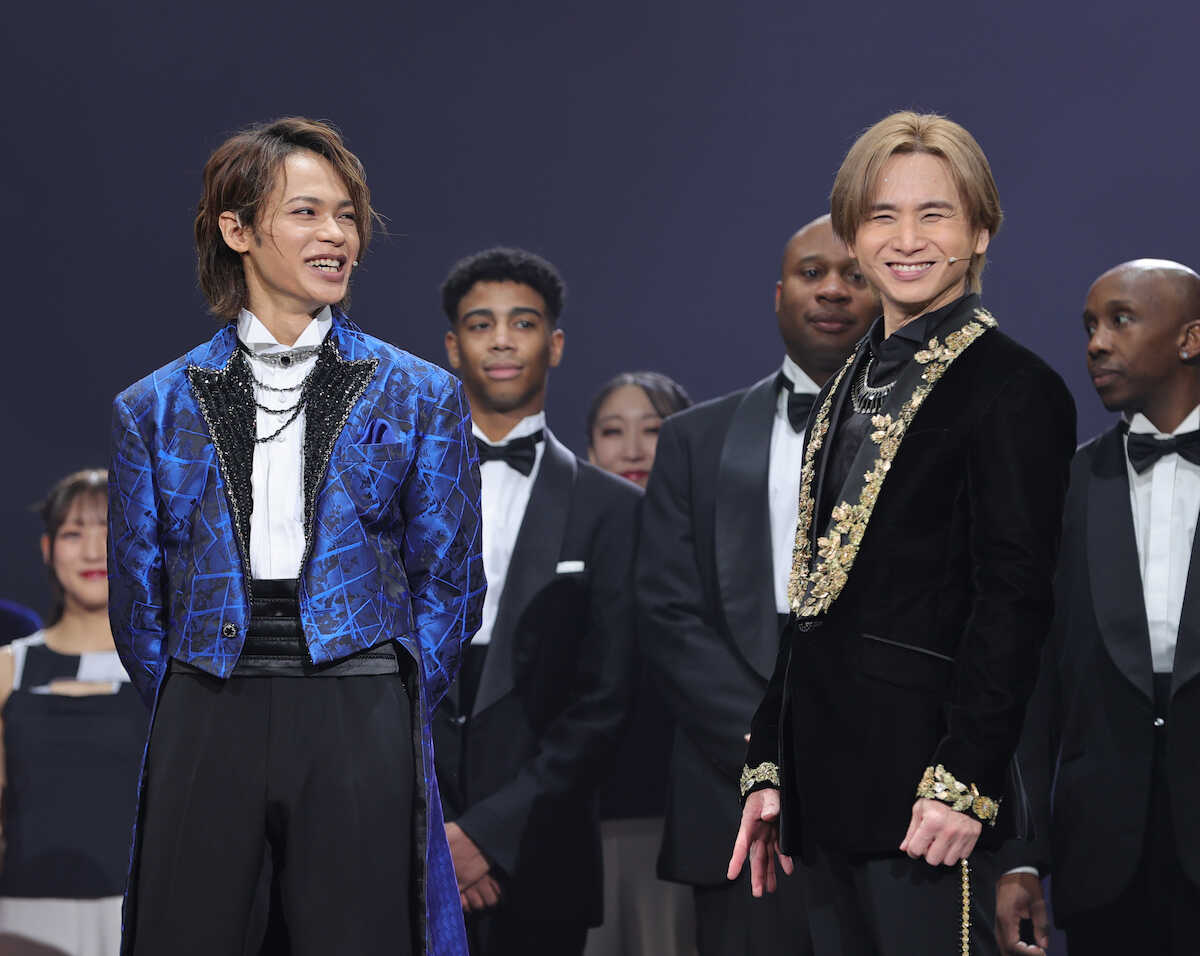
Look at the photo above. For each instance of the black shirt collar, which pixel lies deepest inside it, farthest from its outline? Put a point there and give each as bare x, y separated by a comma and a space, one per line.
893, 352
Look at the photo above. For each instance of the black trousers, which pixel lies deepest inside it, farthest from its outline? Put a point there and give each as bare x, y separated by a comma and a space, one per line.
1159, 911
896, 906
500, 932
311, 776
730, 920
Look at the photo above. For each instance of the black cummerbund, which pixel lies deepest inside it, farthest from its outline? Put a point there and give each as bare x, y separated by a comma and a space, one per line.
275, 645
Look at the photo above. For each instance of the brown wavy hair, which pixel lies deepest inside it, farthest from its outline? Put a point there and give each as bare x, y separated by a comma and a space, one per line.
908, 132
240, 175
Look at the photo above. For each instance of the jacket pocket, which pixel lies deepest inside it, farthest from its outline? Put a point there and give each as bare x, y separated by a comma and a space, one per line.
904, 665
375, 451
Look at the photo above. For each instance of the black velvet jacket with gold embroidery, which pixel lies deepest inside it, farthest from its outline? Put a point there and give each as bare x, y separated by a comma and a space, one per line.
919, 611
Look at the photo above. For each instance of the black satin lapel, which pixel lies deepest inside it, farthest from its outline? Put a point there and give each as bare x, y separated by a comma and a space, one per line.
821, 464
226, 401
532, 566
1187, 642
1113, 572
336, 385
743, 527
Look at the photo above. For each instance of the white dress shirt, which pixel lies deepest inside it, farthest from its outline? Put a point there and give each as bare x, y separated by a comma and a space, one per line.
783, 482
1166, 500
277, 474
504, 495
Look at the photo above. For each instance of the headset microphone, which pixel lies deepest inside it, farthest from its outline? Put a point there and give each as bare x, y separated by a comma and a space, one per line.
950, 260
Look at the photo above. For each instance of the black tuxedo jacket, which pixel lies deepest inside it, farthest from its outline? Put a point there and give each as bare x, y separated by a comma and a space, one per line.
519, 773
932, 592
708, 624
1089, 737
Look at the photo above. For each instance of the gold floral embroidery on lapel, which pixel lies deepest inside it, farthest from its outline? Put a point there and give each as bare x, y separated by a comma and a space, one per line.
812, 592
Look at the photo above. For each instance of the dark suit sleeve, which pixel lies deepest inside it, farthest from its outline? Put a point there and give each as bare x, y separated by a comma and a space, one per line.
575, 749
1018, 469
441, 540
135, 558
707, 683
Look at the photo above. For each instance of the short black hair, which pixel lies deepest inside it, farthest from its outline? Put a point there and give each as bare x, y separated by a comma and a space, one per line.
666, 395
502, 264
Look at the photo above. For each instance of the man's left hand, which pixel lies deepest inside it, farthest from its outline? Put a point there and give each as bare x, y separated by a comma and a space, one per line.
940, 835
470, 865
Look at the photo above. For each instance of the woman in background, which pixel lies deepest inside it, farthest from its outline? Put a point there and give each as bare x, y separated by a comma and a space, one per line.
73, 728
643, 915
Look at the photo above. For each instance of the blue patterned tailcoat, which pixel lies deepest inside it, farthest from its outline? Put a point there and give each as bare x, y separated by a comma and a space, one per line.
391, 479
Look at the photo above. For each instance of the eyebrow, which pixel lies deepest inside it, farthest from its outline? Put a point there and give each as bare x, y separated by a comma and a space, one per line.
613, 416
928, 204
491, 314
318, 201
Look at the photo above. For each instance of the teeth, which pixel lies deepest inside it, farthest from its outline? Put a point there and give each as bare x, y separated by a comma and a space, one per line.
328, 265
907, 267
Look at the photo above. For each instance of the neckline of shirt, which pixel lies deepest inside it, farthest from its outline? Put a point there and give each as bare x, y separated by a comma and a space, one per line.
802, 383
1139, 424
526, 426
259, 340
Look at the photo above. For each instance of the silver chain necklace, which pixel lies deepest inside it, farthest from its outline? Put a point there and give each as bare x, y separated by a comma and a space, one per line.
292, 411
868, 399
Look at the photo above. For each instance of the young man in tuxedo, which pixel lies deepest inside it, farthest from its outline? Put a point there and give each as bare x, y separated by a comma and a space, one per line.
930, 508
714, 557
1109, 743
525, 735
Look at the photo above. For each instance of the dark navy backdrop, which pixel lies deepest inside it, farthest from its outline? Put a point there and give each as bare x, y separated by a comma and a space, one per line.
659, 153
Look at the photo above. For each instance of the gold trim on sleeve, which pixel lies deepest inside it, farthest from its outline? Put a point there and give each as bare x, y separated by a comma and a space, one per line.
763, 773
938, 783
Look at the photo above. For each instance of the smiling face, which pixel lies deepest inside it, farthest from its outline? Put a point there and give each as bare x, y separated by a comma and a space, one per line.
503, 345
78, 555
625, 436
822, 300
915, 223
1138, 319
299, 256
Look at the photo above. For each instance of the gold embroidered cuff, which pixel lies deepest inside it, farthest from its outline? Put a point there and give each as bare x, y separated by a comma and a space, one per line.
938, 783
763, 773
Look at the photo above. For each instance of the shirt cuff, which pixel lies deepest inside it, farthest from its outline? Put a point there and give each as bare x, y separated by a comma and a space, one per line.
1023, 869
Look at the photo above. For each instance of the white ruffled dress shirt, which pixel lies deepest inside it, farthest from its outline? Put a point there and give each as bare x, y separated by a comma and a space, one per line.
277, 475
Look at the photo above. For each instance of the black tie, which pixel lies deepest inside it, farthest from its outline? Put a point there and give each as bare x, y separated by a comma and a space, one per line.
1145, 450
519, 453
799, 403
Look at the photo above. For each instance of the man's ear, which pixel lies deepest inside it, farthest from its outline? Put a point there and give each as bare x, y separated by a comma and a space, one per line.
235, 234
1189, 340
982, 238
452, 352
45, 549
778, 292
557, 340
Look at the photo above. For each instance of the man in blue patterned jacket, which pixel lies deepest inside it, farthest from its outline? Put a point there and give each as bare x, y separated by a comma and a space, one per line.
295, 566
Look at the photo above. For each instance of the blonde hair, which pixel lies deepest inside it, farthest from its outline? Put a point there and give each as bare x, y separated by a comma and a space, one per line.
908, 132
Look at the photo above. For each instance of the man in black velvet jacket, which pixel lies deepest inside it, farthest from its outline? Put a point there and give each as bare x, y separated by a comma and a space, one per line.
713, 563
930, 507
1109, 746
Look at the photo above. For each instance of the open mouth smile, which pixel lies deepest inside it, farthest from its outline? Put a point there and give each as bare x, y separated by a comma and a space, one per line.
329, 266
907, 271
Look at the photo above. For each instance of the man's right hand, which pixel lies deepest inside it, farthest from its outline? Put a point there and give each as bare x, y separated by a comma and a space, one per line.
1018, 897
758, 840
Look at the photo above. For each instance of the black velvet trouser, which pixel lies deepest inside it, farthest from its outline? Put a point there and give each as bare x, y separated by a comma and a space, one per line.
896, 906
311, 777
730, 920
1159, 911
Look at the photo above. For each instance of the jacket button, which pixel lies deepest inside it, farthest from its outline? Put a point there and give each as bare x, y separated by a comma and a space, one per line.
229, 629
1159, 722
460, 720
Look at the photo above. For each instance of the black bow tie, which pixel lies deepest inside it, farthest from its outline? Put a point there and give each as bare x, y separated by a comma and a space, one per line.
799, 403
1145, 450
520, 453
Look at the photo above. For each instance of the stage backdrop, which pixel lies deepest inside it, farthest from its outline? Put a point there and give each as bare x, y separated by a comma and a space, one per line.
659, 153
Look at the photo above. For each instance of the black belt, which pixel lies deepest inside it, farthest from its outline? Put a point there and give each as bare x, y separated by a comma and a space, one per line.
275, 645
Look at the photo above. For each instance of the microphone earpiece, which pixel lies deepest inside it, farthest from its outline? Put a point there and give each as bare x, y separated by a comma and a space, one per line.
950, 260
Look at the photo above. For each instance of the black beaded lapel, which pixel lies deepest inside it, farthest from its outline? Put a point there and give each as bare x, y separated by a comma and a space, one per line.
336, 385
226, 399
